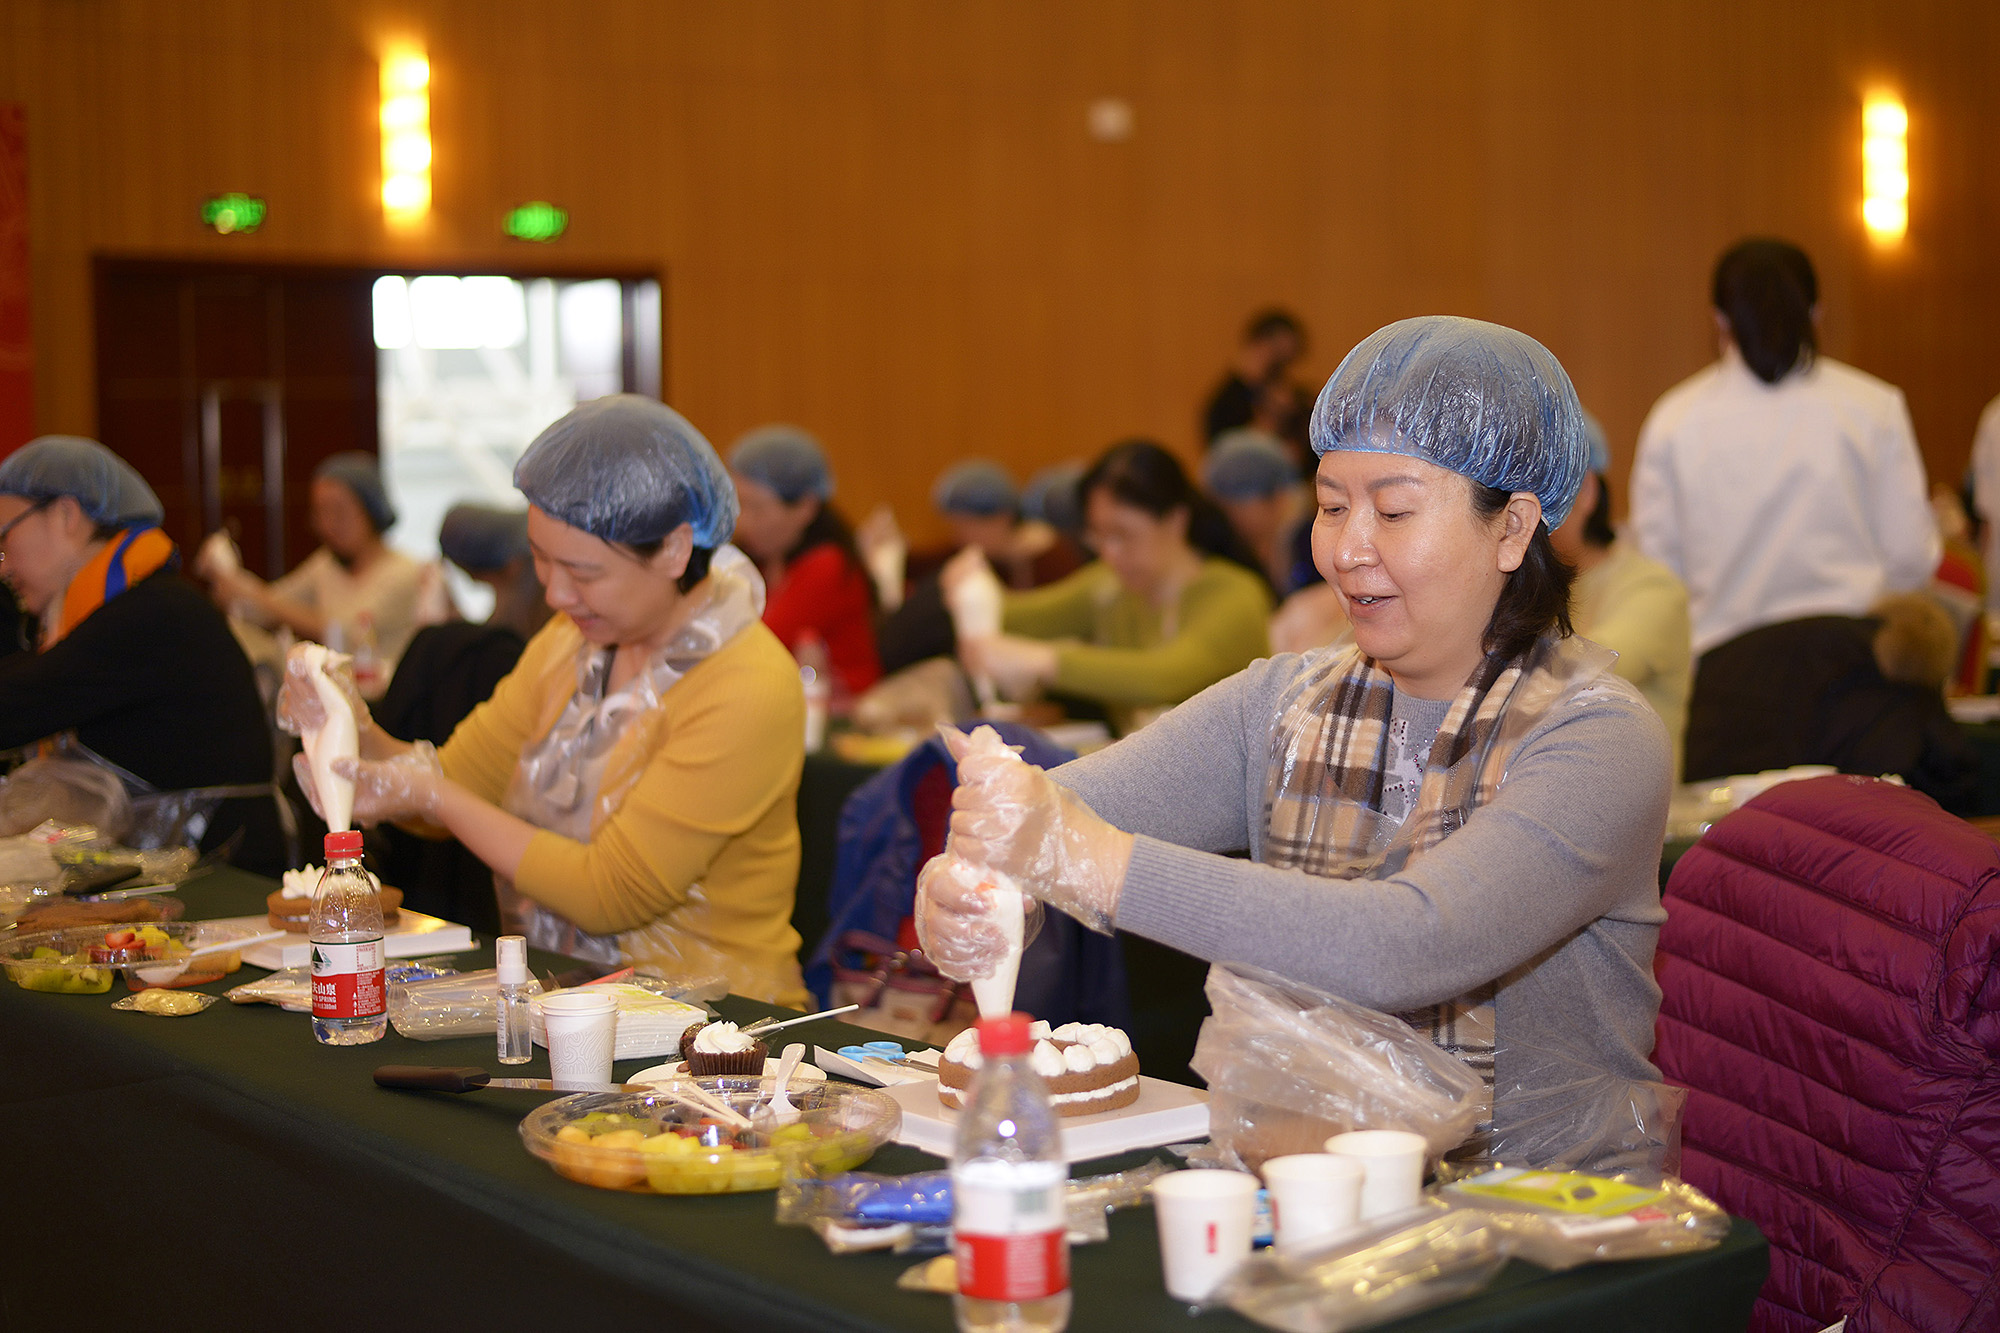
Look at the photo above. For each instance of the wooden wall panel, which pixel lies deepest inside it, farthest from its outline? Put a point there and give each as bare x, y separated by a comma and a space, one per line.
884, 219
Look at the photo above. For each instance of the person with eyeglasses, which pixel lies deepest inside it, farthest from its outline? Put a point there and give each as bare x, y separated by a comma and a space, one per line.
129, 666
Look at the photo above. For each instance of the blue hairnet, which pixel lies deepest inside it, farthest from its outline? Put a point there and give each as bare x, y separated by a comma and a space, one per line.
1600, 447
1482, 400
785, 459
362, 474
980, 487
106, 487
1248, 465
481, 539
629, 469
1051, 497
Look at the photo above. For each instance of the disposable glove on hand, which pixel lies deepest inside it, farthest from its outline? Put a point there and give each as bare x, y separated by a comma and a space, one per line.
958, 922
405, 787
1013, 818
299, 707
1018, 667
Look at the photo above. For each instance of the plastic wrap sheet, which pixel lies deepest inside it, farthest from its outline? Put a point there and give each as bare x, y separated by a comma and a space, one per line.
1289, 1065
1407, 1264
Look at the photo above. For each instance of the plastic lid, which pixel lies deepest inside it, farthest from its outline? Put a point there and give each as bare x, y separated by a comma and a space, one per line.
1009, 1035
512, 951
345, 843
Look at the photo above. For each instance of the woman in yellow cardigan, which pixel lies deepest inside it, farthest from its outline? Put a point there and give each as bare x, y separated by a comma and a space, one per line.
633, 781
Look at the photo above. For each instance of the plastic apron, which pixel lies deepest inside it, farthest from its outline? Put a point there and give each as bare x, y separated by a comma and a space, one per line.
1602, 1121
579, 773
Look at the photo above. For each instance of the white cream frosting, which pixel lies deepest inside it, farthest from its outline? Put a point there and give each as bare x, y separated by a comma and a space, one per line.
1094, 1094
300, 883
1085, 1047
722, 1039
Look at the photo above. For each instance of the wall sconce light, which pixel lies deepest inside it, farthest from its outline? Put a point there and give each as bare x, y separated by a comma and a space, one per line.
1885, 169
406, 137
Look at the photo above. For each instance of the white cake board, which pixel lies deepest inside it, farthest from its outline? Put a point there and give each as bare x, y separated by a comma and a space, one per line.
416, 935
1164, 1113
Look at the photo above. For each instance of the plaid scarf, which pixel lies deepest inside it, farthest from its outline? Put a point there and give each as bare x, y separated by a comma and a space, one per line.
1328, 763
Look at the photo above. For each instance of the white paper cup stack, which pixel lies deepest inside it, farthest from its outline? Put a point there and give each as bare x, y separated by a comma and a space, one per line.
581, 1027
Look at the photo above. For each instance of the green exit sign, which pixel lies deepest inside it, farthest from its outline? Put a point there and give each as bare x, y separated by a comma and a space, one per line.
536, 222
230, 213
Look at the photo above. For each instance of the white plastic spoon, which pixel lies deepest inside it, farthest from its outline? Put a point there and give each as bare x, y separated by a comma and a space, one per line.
779, 1110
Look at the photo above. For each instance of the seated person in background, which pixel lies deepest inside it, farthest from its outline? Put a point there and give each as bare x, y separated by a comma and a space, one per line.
1051, 497
819, 589
633, 783
980, 502
978, 499
1255, 483
1172, 604
131, 660
1863, 694
1631, 605
447, 671
353, 586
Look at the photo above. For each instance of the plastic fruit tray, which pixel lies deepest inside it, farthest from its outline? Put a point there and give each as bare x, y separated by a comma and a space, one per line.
653, 1144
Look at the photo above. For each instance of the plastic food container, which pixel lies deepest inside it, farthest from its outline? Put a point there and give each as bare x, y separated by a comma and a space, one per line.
656, 1145
61, 960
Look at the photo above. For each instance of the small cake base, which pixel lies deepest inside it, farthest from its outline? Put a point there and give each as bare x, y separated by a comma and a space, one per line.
703, 1063
1103, 1085
295, 914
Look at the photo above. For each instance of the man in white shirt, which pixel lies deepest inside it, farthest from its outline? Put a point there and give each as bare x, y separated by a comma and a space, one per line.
1777, 483
1986, 495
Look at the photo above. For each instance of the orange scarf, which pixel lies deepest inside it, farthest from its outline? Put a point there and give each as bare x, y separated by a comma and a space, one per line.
130, 556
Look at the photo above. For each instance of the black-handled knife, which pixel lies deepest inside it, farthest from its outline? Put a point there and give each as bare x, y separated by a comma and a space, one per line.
441, 1078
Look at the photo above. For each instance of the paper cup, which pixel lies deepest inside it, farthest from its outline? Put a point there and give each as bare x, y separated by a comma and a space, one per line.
1394, 1164
1313, 1195
1204, 1219
581, 1029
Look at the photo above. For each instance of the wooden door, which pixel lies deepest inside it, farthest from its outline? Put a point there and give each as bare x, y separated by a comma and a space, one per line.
227, 384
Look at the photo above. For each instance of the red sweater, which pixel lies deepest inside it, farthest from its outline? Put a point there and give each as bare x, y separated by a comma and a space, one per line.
824, 595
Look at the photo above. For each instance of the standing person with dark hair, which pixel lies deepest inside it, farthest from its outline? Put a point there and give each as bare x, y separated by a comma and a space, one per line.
1630, 604
1455, 816
1172, 604
1258, 390
819, 585
1779, 485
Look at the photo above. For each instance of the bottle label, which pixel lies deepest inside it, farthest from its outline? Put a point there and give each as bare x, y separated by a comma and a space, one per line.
1008, 1231
347, 979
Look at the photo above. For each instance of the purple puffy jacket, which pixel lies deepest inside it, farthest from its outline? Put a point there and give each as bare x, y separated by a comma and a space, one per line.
1831, 969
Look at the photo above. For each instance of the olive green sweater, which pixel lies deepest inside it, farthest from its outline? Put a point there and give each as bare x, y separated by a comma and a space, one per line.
1134, 657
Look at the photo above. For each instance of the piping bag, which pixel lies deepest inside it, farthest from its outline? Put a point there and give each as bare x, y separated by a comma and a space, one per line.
994, 994
339, 737
975, 605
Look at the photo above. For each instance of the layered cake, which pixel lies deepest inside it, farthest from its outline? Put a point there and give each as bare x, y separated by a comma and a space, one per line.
290, 908
722, 1048
1088, 1067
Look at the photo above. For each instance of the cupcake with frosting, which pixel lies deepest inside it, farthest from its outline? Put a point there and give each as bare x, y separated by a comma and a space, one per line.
722, 1048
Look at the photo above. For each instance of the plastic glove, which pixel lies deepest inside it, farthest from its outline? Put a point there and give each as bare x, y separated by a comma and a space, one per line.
405, 787
957, 923
1013, 818
1018, 666
299, 708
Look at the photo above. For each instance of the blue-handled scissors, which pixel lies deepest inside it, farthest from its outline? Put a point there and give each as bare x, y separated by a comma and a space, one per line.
874, 1050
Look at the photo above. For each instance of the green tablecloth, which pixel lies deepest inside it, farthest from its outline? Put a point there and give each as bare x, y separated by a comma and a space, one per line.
225, 1169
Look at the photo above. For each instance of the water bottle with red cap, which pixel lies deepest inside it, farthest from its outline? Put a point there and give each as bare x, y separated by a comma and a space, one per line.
1009, 1181
349, 1000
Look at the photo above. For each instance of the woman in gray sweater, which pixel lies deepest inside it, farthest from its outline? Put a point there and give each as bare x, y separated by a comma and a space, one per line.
1455, 815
